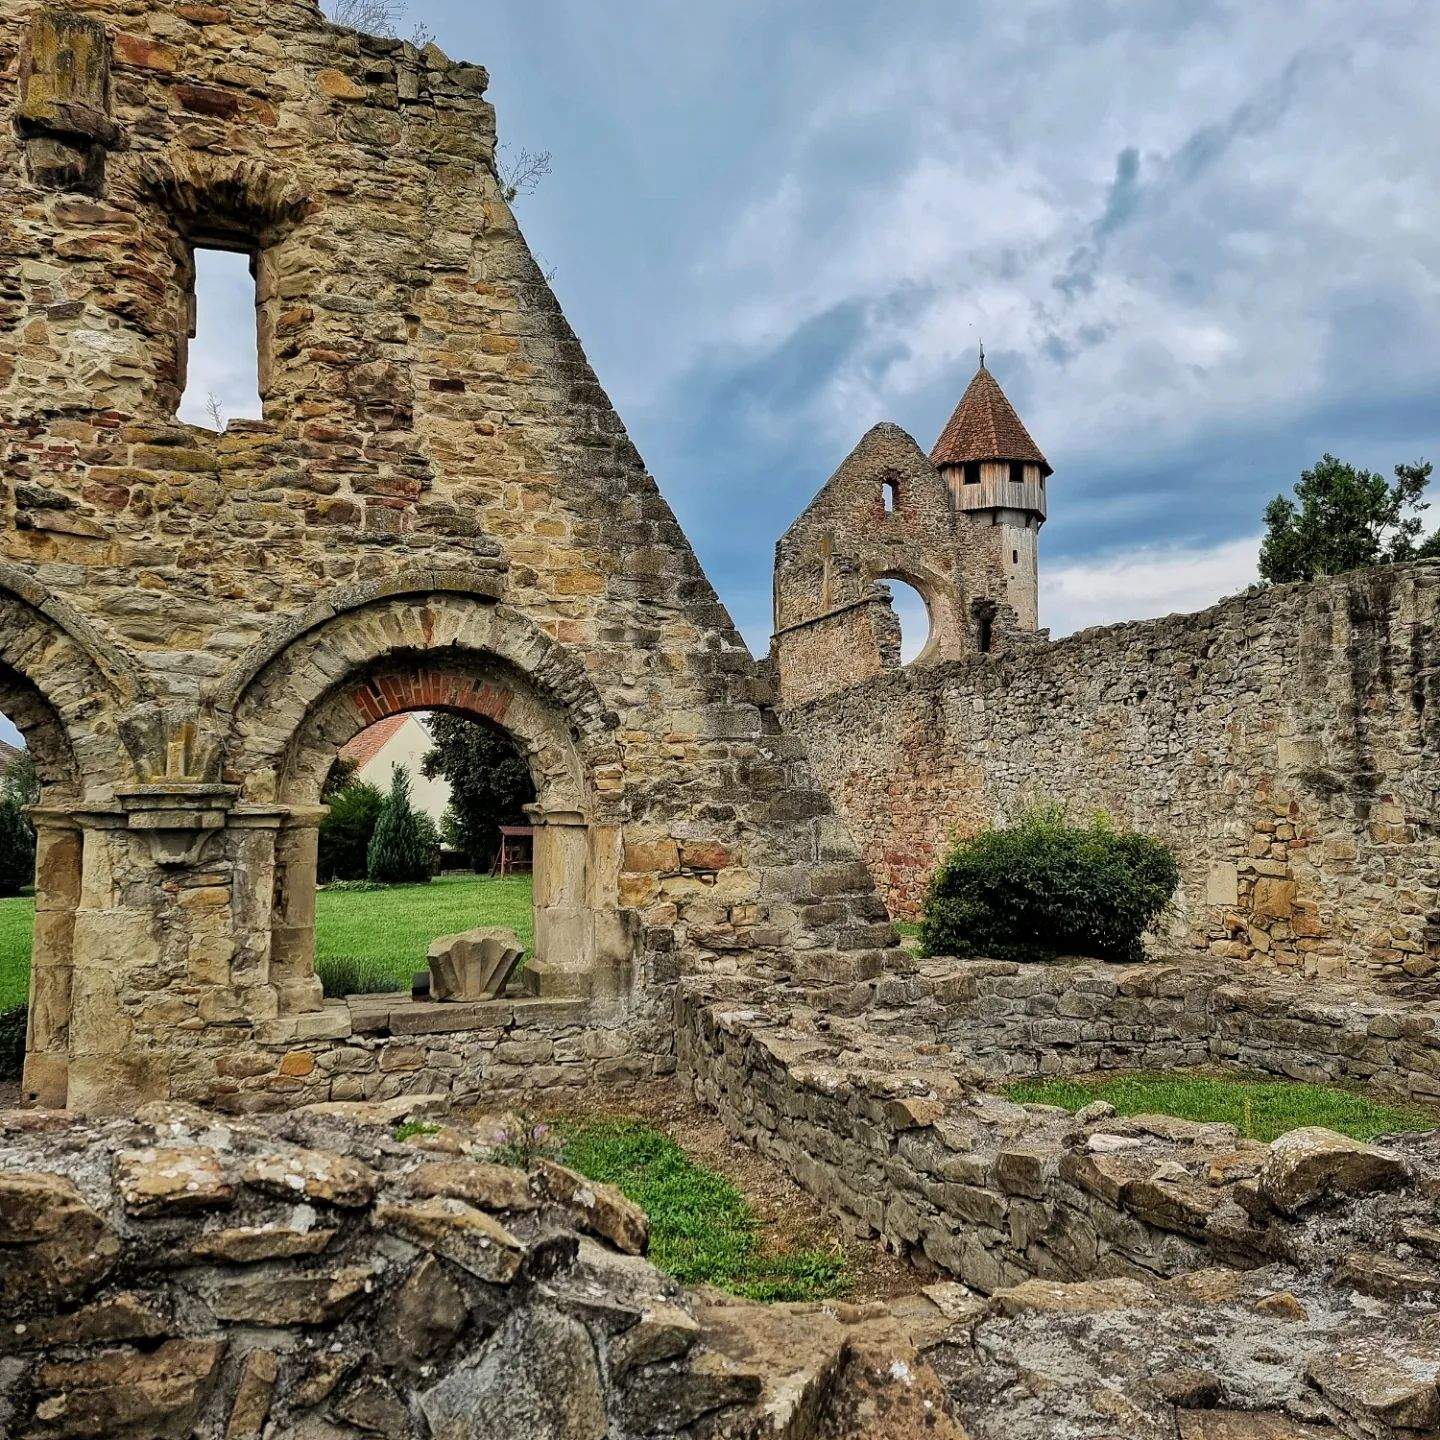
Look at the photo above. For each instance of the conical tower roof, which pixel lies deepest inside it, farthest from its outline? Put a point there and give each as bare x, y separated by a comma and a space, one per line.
986, 427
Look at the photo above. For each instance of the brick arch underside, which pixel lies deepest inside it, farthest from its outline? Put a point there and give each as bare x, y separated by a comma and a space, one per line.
452, 653
62, 703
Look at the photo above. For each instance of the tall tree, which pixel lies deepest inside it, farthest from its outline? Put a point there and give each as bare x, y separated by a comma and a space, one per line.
400, 851
1342, 518
19, 788
490, 783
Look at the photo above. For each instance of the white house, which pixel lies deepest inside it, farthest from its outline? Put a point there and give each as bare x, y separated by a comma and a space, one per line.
400, 740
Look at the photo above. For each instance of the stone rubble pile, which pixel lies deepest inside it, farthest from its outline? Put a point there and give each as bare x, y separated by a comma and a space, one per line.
186, 1274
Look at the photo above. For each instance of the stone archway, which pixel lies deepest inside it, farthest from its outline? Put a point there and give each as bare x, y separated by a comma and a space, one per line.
65, 691
467, 655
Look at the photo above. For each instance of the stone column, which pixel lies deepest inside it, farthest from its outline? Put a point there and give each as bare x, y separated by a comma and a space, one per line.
292, 948
564, 959
59, 844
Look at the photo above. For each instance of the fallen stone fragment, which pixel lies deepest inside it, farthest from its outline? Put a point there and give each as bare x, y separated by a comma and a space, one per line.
664, 1332
314, 1175
424, 1316
121, 1317
53, 1247
172, 1180
489, 1187
1386, 1278
538, 1376
253, 1396
251, 1244
1086, 1297
121, 1392
600, 1209
459, 1232
474, 966
308, 1300
1381, 1381
1313, 1164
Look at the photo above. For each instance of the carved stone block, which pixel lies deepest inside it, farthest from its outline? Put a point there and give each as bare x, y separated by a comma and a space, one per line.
63, 111
474, 966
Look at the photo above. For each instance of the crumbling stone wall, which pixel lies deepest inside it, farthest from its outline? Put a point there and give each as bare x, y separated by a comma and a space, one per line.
1283, 742
879, 1124
885, 514
439, 506
178, 1275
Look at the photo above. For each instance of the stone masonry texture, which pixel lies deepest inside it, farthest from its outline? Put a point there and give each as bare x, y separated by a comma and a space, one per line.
1285, 743
439, 509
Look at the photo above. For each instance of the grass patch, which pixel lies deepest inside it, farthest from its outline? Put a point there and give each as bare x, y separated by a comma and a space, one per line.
17, 933
365, 940
702, 1229
1259, 1109
369, 941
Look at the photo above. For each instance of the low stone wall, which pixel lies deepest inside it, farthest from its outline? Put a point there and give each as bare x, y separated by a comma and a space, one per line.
1283, 742
378, 1047
1013, 1020
886, 1131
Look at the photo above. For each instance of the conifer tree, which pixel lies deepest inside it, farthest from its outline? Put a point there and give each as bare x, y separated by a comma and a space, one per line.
399, 851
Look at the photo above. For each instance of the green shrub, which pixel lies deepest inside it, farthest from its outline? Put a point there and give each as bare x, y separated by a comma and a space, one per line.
345, 834
342, 976
1045, 886
17, 849
400, 851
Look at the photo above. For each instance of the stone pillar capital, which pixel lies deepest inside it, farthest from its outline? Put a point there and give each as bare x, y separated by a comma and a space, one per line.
542, 817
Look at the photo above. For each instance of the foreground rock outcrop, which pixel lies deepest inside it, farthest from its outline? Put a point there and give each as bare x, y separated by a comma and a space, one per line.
317, 1278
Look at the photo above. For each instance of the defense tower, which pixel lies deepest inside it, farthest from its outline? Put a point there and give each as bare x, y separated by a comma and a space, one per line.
996, 475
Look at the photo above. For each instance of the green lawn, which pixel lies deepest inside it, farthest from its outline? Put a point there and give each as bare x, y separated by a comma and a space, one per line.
1260, 1109
702, 1229
377, 939
369, 939
17, 927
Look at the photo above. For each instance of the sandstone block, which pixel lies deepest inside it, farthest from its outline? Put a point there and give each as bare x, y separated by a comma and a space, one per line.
172, 1180
458, 1232
476, 965
1313, 1164
600, 1209
314, 1175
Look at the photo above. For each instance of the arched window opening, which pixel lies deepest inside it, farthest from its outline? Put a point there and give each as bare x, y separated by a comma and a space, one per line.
19, 789
914, 618
220, 364
427, 835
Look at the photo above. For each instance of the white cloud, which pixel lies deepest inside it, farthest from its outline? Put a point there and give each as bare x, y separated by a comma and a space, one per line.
1205, 282
1144, 583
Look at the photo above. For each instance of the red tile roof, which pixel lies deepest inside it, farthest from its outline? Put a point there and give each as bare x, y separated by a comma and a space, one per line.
369, 743
986, 427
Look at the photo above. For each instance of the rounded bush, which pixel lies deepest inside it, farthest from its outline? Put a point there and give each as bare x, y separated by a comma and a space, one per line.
1045, 886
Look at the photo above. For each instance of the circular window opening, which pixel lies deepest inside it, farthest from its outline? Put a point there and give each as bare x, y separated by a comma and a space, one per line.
914, 617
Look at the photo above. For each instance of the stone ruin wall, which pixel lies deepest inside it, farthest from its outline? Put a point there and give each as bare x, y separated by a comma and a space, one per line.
439, 507
1286, 743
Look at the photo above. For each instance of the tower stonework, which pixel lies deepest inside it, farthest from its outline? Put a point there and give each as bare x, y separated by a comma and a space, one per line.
997, 476
439, 510
960, 526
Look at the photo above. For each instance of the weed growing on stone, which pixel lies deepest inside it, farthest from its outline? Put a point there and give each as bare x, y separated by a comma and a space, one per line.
702, 1229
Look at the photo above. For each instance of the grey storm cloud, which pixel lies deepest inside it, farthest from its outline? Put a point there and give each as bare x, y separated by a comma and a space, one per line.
1200, 238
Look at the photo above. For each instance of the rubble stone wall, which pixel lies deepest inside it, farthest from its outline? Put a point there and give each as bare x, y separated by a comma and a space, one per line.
1016, 1020
1286, 743
177, 1275
439, 507
888, 1130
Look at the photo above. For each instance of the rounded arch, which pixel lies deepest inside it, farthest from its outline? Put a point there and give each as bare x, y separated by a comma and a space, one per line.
66, 689
929, 589
415, 652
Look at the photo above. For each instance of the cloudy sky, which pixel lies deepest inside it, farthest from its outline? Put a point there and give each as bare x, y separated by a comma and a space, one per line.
1201, 242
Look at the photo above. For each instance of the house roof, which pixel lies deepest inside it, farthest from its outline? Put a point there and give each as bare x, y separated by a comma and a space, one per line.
986, 427
369, 743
